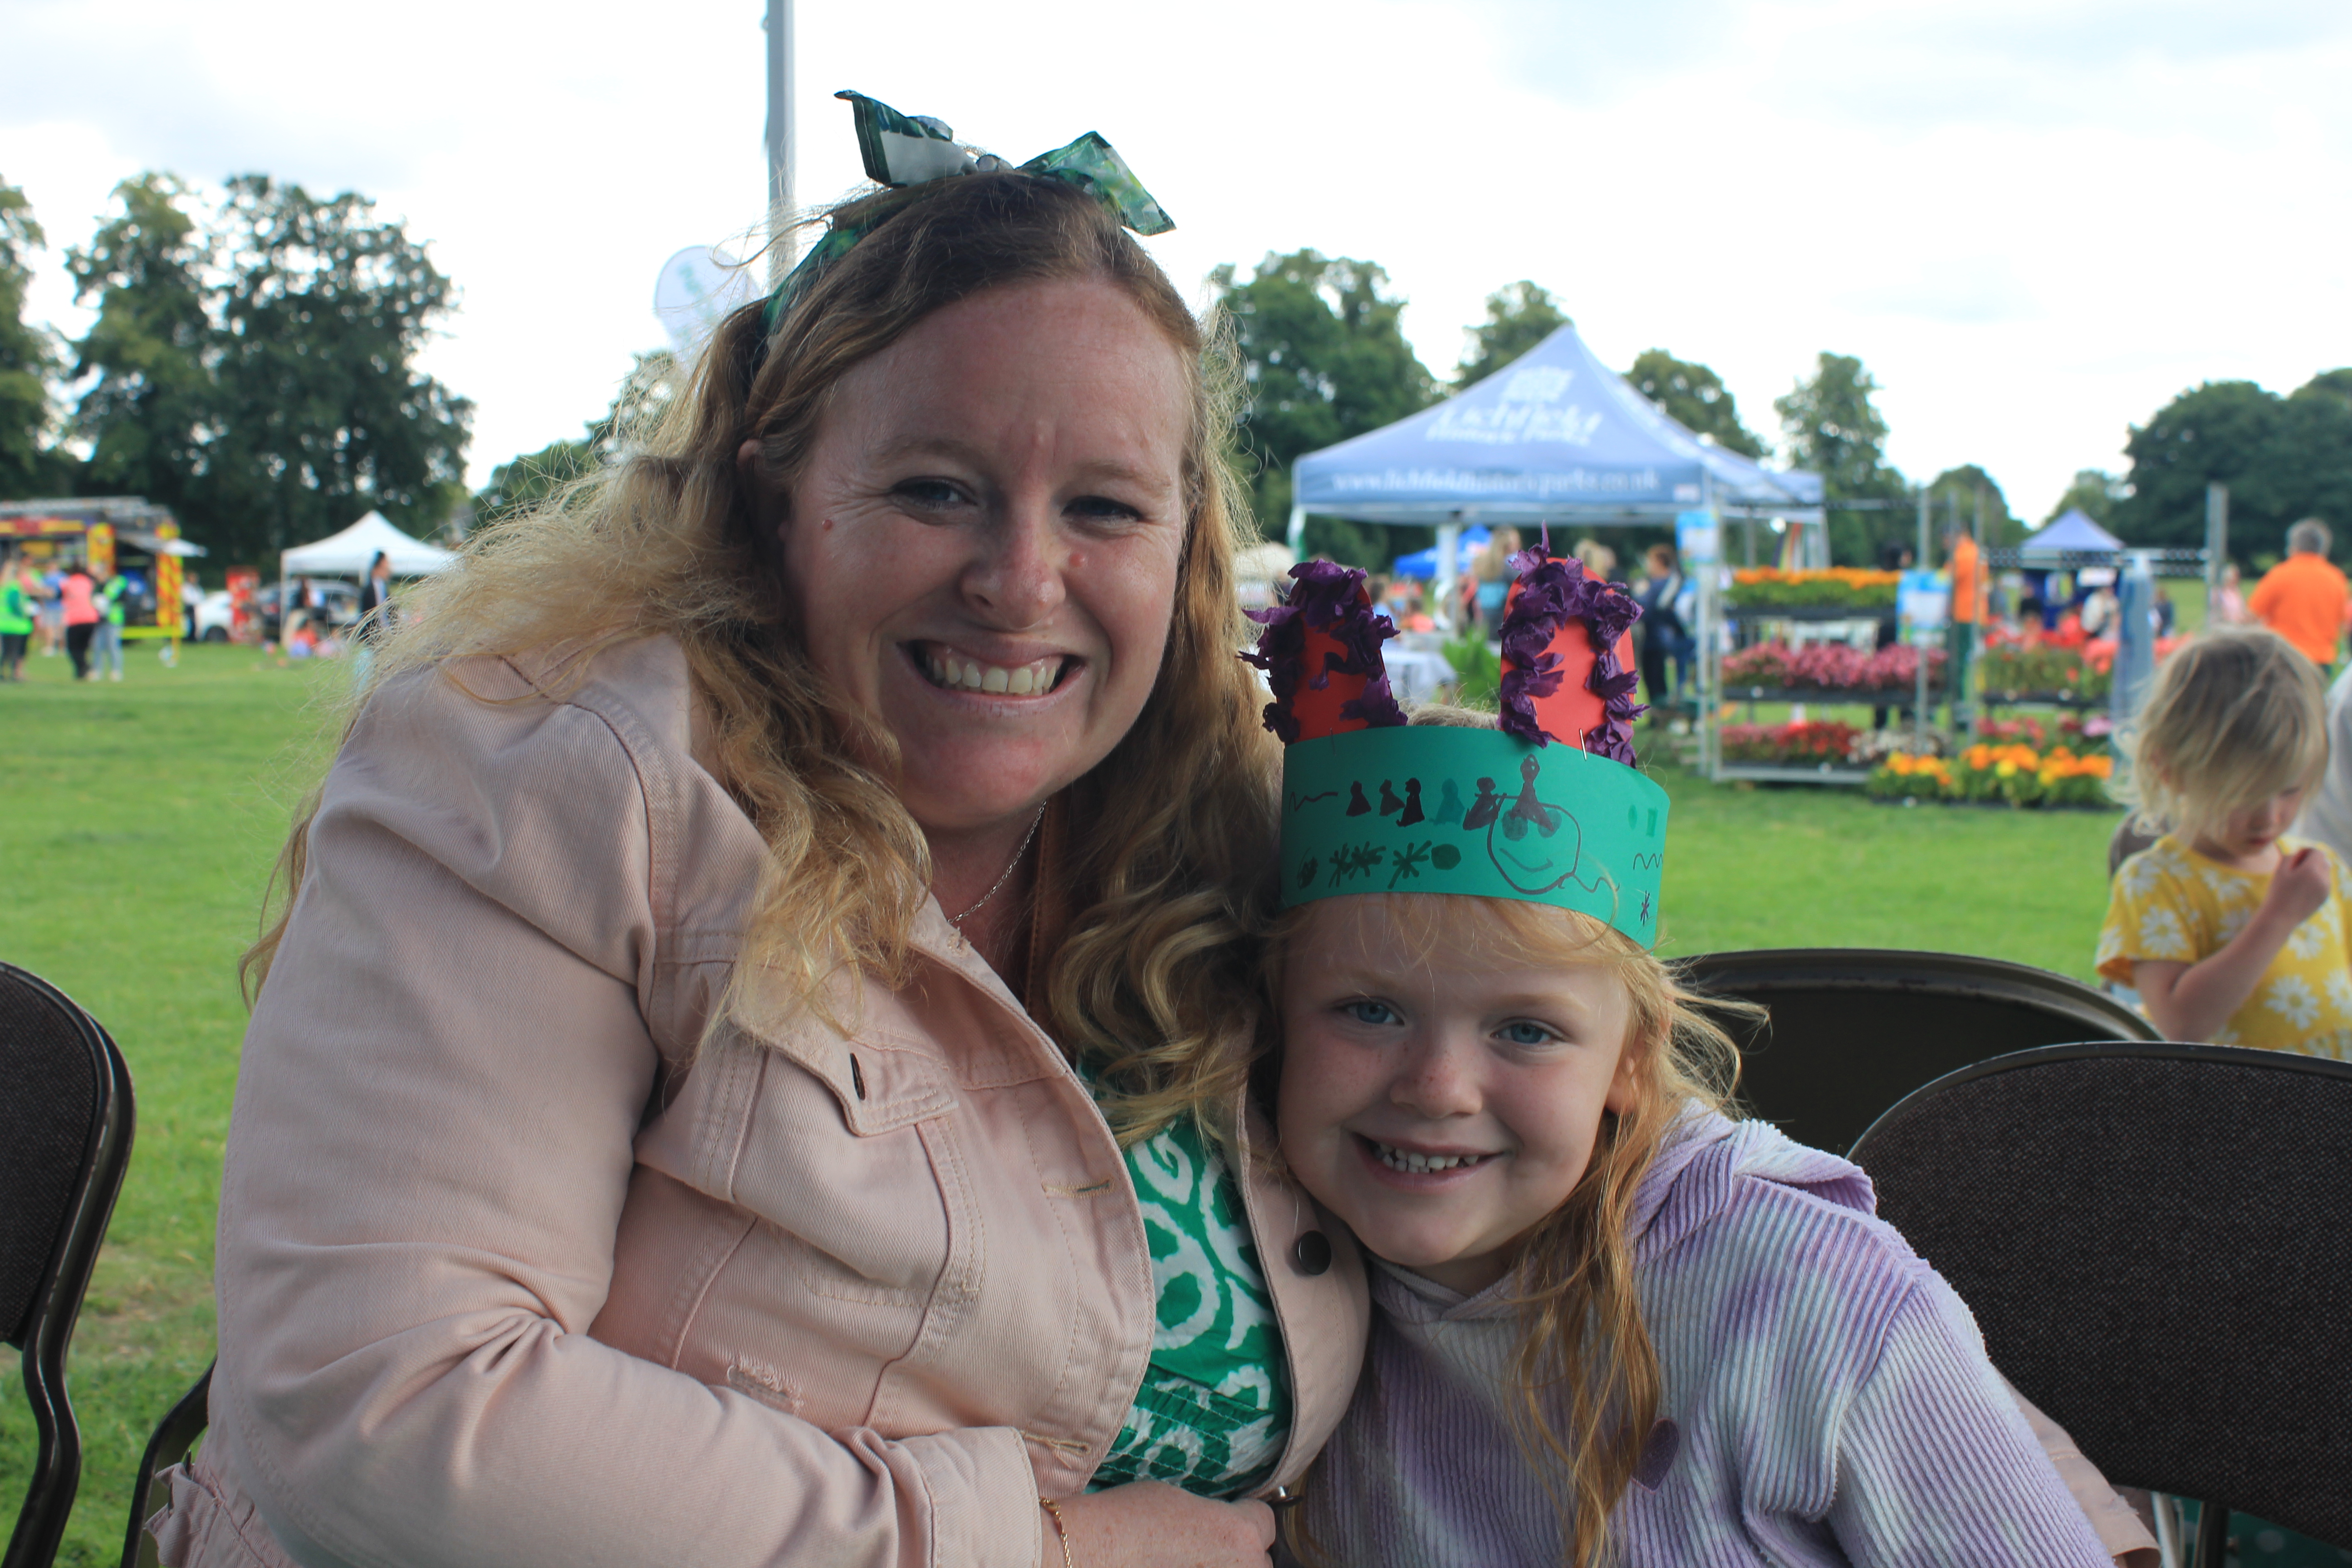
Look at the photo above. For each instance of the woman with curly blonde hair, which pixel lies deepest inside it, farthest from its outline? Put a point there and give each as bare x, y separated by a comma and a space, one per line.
749, 1068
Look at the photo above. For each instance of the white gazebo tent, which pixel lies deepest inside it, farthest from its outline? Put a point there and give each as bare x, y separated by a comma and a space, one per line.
351, 552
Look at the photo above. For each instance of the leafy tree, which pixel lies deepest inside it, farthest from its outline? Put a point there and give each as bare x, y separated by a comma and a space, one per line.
2283, 459
321, 316
1325, 359
523, 482
647, 393
1831, 427
1695, 398
252, 365
2095, 493
1519, 317
1955, 495
153, 404
29, 466
2314, 452
654, 382
2336, 384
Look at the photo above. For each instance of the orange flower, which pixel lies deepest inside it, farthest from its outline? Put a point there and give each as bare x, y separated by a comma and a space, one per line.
1854, 577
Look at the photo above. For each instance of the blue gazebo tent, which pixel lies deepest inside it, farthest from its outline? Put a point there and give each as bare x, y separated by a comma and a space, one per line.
1555, 437
1421, 565
2071, 534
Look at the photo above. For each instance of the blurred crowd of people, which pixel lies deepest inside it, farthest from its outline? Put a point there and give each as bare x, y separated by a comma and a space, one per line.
75, 612
70, 609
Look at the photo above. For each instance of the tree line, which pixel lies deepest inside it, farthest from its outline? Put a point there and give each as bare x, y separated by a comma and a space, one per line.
251, 365
1324, 350
1327, 359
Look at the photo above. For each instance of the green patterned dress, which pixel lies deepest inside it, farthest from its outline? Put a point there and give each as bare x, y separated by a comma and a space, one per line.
1213, 1411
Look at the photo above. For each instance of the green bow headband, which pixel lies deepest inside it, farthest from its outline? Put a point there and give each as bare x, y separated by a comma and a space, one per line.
904, 150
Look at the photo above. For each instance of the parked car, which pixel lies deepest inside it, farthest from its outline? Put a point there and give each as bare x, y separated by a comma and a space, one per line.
210, 618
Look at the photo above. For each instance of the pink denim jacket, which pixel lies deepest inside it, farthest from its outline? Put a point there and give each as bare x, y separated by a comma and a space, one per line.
509, 1273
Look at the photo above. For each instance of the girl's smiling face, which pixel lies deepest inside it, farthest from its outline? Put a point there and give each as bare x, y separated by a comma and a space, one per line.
1440, 1104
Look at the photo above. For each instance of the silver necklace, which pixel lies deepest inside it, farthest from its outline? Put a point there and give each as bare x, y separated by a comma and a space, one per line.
956, 921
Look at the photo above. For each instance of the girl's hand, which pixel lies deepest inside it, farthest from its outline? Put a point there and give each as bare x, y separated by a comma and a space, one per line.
2299, 887
1146, 1525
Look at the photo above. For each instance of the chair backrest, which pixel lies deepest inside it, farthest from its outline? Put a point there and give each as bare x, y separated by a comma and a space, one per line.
2156, 1242
65, 1139
1854, 1029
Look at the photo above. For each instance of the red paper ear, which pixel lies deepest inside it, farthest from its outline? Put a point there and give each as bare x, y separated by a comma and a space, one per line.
1572, 707
1318, 712
1556, 686
1321, 655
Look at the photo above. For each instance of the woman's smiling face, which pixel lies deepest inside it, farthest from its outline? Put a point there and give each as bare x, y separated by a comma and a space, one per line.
984, 541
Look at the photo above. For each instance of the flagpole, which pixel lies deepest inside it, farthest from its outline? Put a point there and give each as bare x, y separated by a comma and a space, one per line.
781, 206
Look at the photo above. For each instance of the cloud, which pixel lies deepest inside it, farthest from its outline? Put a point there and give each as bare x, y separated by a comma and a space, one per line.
2095, 35
1961, 291
174, 97
2154, 65
2033, 221
1592, 49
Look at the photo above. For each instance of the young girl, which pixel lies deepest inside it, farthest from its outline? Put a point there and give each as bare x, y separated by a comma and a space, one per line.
2231, 931
1609, 1321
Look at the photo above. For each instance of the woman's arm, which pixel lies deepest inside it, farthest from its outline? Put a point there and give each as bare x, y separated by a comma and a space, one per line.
2194, 1001
428, 1159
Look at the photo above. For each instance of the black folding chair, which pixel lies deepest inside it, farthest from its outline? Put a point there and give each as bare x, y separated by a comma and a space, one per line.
173, 1437
2154, 1240
65, 1138
1854, 1029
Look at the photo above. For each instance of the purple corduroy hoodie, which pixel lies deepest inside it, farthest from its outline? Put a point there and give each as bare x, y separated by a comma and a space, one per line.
1826, 1398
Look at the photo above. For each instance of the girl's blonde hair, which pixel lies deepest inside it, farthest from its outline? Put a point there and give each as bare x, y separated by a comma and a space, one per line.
2235, 716
1173, 831
1583, 1347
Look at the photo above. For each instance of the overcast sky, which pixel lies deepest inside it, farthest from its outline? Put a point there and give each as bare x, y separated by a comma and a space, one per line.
2035, 220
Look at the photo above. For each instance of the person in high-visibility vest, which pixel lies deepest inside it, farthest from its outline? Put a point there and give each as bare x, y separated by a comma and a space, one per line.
15, 620
1960, 633
108, 643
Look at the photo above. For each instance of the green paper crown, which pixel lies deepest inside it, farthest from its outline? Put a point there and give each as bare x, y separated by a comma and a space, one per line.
1432, 808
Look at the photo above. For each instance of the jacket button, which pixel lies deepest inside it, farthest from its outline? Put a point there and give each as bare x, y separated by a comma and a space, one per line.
1313, 1252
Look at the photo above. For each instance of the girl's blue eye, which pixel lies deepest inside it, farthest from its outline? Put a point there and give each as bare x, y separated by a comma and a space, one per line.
1526, 1034
1371, 1013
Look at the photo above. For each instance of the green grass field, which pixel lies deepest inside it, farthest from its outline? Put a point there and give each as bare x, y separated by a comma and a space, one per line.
139, 822
137, 826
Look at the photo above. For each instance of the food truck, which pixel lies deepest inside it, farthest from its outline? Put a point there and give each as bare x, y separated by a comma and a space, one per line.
109, 534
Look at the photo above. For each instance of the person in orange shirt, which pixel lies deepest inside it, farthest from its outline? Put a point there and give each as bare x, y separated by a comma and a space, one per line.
2304, 597
1966, 563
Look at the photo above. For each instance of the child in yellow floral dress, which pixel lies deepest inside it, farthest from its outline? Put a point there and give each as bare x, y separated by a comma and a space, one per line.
2231, 931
